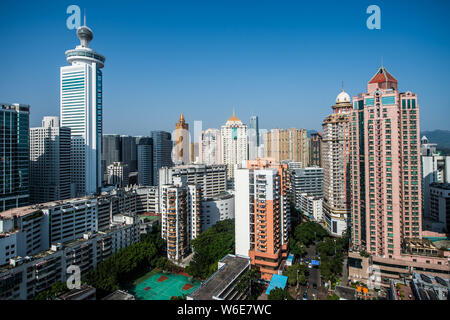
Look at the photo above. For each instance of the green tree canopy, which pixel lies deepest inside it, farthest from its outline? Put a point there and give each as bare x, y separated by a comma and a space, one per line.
211, 246
280, 294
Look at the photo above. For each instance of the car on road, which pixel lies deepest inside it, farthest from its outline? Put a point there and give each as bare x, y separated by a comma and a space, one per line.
307, 260
310, 265
305, 296
314, 286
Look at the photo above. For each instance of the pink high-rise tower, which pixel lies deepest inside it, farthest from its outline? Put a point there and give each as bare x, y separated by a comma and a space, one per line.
385, 168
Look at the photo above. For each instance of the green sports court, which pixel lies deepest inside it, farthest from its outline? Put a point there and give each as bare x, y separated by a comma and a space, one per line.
163, 286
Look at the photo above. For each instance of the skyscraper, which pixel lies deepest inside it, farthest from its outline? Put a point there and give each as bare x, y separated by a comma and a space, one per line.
81, 110
385, 167
253, 138
14, 155
111, 151
210, 147
49, 162
128, 152
182, 146
315, 149
145, 161
162, 152
234, 144
335, 162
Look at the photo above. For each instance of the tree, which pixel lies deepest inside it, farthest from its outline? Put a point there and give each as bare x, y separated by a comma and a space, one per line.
279, 294
57, 289
211, 246
309, 232
291, 273
116, 271
248, 282
296, 247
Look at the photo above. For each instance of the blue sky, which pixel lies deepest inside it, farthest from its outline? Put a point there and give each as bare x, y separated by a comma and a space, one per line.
281, 60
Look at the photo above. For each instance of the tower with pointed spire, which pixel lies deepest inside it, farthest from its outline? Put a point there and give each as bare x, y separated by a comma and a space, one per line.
81, 110
181, 149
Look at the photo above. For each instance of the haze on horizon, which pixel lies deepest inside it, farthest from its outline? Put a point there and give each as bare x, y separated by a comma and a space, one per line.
283, 61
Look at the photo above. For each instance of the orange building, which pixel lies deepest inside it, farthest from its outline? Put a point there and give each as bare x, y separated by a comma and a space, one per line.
262, 213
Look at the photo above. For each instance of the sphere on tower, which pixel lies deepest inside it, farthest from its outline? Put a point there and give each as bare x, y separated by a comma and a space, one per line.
85, 35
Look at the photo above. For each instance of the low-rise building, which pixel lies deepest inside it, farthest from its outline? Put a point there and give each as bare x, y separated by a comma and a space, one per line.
85, 292
26, 276
222, 284
417, 256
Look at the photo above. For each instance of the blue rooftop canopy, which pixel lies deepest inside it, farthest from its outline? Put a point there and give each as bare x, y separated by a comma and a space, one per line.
276, 282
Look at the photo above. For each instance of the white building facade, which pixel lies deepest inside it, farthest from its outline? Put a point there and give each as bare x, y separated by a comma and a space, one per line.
81, 110
234, 144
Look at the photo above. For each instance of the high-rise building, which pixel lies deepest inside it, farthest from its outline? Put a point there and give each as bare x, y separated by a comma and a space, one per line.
145, 161
128, 152
180, 205
162, 152
335, 163
49, 162
234, 144
287, 144
386, 199
212, 179
315, 147
14, 155
262, 214
111, 151
81, 110
210, 147
253, 138
182, 145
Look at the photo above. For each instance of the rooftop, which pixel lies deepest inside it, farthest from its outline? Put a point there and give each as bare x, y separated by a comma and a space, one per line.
119, 295
85, 291
382, 76
232, 267
23, 211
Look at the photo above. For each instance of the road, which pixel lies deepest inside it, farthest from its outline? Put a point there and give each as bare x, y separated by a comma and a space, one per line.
320, 293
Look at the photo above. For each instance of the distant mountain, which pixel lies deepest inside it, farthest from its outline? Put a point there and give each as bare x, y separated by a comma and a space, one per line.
441, 137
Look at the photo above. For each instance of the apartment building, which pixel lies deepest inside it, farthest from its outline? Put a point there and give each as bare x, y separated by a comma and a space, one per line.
180, 205
262, 214
212, 179
26, 276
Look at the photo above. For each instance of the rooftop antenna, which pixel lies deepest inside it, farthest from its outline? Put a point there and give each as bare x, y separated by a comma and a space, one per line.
85, 17
342, 85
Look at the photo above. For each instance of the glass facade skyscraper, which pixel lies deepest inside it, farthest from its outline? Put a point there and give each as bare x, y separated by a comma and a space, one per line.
145, 161
81, 110
14, 155
162, 152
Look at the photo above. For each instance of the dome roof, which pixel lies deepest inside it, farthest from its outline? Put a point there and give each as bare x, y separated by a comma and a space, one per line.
342, 97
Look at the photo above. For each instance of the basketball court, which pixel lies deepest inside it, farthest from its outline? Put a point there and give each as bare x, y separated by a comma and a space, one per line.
163, 286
